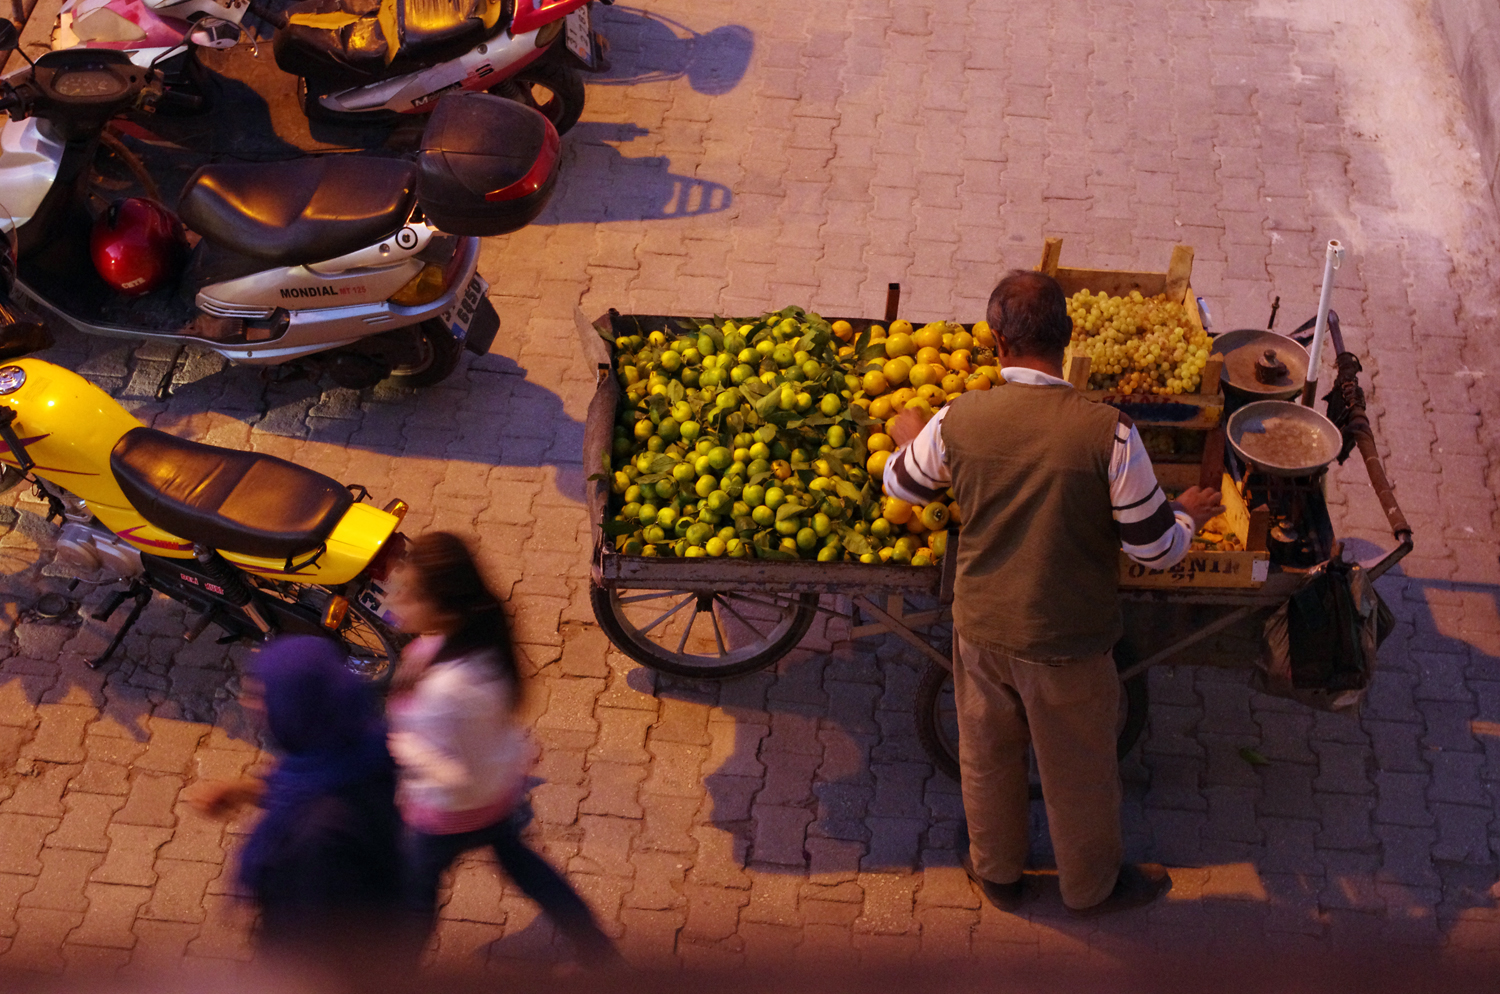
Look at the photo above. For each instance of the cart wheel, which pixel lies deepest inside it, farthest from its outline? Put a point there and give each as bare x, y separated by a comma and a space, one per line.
703, 633
937, 718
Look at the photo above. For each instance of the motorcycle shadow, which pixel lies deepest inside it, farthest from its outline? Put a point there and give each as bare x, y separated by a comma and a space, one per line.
649, 47
600, 184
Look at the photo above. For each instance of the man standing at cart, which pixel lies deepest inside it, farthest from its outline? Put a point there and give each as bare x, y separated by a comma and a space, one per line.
1051, 485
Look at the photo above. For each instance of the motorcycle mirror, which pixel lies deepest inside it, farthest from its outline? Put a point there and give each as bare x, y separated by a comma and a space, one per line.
10, 37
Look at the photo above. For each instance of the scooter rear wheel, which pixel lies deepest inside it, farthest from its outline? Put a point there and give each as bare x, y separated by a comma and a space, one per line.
554, 89
440, 353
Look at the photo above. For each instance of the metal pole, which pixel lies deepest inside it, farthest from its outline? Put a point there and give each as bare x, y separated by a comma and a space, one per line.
1332, 259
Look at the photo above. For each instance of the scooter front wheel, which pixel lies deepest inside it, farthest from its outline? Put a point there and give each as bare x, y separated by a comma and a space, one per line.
554, 89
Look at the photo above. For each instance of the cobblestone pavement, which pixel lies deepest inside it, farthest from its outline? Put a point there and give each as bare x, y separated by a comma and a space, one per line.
792, 813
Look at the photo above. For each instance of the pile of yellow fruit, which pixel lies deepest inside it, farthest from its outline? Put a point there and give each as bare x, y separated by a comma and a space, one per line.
1137, 344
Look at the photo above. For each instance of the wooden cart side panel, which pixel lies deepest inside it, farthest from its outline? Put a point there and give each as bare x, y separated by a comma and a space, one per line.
598, 438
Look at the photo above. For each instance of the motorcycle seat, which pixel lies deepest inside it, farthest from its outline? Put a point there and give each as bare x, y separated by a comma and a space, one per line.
226, 499
349, 42
300, 210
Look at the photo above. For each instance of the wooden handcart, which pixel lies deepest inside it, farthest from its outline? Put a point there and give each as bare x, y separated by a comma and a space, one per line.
718, 618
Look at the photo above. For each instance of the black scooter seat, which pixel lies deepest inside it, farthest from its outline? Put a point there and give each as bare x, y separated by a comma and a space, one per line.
349, 42
226, 499
301, 210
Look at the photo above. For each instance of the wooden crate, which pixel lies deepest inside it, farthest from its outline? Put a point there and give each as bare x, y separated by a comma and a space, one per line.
1208, 569
1201, 410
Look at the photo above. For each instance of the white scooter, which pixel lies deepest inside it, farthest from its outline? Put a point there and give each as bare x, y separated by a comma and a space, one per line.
366, 58
348, 263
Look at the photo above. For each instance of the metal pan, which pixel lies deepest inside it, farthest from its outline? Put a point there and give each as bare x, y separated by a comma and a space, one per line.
1241, 349
1283, 438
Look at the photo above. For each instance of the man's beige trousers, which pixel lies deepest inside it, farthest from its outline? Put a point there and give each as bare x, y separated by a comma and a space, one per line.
1067, 713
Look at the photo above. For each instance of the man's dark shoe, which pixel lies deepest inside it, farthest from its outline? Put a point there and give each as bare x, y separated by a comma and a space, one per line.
1139, 884
1006, 897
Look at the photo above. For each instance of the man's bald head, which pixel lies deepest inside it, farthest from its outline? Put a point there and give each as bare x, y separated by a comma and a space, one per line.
1030, 311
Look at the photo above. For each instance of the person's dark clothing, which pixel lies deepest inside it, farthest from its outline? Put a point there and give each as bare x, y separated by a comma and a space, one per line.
429, 855
324, 863
334, 875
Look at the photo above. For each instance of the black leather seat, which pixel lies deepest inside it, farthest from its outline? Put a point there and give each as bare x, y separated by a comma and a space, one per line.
349, 42
245, 502
301, 210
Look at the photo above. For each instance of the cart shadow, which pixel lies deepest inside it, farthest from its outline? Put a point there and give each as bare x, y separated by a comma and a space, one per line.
649, 47
826, 778
599, 184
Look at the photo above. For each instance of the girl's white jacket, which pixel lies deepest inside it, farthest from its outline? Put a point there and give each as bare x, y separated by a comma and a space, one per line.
454, 737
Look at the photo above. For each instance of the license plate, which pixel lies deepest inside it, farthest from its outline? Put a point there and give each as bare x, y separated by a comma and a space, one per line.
462, 314
373, 598
578, 35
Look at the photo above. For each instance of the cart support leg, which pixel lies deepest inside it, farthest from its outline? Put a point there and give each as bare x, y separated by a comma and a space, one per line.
903, 633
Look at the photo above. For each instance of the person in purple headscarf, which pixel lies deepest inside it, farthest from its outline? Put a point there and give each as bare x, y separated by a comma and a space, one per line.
324, 863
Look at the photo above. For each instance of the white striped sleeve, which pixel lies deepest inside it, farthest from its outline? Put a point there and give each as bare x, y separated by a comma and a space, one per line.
918, 473
1152, 532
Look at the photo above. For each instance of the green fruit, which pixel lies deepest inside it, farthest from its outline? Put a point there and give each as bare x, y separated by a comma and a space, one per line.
741, 373
822, 524
644, 429
811, 368
689, 430
789, 526
706, 485
683, 472
666, 489
656, 444
740, 509
742, 455
775, 497
671, 361
804, 402
760, 450
699, 532
630, 512
729, 399
763, 515
830, 405
738, 548
718, 501
807, 539
758, 466
666, 516
754, 495
715, 546
647, 514
632, 494
706, 345
655, 534
830, 553
695, 552
836, 436
633, 546
669, 429
719, 458
682, 411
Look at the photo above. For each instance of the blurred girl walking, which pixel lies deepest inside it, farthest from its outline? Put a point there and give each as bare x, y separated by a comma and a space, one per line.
463, 760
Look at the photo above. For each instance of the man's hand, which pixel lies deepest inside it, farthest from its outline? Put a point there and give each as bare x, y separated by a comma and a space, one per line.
909, 424
1201, 504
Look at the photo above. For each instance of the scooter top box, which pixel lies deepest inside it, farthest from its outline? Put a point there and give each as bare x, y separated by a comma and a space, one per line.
487, 165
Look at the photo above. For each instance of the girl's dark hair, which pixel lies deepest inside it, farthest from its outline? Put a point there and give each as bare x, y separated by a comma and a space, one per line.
449, 577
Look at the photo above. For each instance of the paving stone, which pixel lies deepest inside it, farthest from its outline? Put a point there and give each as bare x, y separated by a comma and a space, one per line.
21, 842
131, 857
110, 915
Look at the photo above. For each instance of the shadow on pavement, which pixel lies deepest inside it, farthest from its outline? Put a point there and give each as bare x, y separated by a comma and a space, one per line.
599, 184
648, 47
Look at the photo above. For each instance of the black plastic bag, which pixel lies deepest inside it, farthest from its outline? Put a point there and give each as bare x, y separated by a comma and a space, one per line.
1320, 645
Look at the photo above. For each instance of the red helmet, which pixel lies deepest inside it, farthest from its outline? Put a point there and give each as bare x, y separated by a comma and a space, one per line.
137, 245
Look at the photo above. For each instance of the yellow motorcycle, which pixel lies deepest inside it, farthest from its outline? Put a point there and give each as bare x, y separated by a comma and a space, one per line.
254, 544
